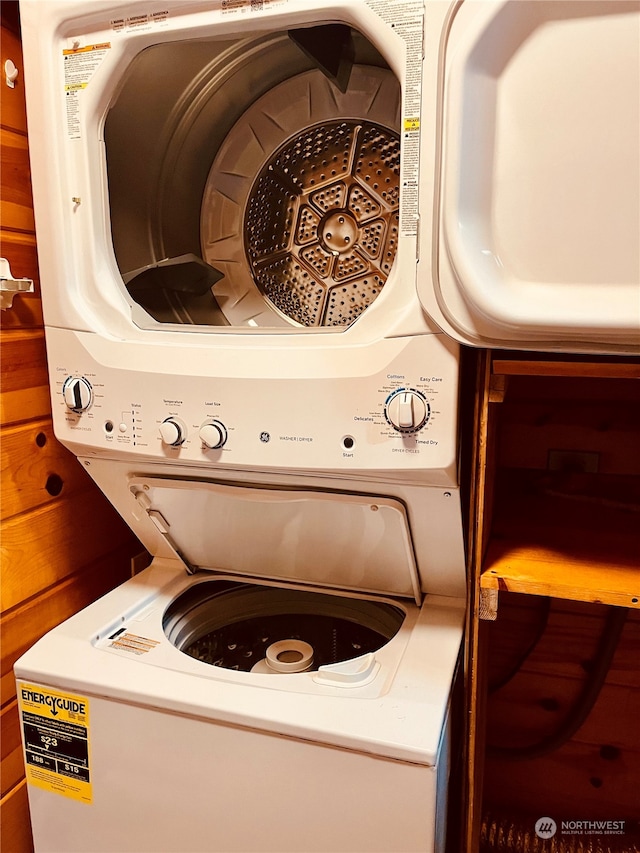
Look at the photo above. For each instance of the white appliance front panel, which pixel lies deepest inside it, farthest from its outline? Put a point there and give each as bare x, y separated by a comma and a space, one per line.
536, 240
399, 714
320, 411
168, 783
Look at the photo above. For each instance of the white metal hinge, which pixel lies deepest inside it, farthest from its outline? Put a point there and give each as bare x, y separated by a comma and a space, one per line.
9, 285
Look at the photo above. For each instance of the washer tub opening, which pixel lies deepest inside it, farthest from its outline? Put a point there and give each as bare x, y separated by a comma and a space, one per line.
231, 625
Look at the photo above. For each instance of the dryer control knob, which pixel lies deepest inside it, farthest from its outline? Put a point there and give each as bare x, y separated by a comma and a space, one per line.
213, 434
77, 393
173, 432
407, 410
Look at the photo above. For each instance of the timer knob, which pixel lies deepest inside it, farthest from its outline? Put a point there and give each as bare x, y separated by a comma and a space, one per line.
213, 434
407, 410
77, 393
173, 432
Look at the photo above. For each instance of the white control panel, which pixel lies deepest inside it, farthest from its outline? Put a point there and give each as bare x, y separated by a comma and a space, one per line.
401, 418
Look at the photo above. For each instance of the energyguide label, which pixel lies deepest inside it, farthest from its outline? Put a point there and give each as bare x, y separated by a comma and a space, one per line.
55, 729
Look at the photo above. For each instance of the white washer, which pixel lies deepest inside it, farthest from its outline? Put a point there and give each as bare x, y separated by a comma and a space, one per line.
263, 230
134, 745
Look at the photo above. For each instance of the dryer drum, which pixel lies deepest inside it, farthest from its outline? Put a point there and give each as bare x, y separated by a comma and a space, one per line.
232, 625
321, 222
304, 225
281, 178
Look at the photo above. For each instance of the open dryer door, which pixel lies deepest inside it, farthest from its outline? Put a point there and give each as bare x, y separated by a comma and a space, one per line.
536, 232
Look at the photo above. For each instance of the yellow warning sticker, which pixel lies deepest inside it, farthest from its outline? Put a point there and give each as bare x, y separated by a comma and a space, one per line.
55, 728
80, 64
412, 123
91, 48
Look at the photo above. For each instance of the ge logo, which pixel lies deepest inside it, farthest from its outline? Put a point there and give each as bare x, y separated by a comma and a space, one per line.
264, 436
546, 827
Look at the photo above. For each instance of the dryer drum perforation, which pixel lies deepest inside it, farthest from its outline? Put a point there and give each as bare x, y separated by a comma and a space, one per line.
333, 229
301, 208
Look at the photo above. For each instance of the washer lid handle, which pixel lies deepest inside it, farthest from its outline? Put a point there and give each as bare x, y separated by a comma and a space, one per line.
162, 525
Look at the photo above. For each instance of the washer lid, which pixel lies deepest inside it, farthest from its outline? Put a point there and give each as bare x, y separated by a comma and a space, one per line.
539, 205
333, 539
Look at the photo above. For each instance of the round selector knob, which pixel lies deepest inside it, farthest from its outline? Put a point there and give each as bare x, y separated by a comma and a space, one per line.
173, 432
77, 393
407, 410
213, 434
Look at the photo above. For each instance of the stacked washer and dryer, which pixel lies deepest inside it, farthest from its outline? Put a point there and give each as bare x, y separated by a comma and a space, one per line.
264, 229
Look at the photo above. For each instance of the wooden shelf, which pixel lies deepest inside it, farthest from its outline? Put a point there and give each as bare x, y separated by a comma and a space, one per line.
583, 546
536, 570
602, 369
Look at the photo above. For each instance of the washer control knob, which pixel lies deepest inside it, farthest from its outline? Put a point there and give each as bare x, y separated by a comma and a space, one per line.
173, 432
407, 410
77, 393
213, 434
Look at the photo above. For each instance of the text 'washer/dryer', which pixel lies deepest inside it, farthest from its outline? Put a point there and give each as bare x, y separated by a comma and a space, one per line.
322, 221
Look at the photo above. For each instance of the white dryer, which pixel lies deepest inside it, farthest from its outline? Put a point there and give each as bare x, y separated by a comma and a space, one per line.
264, 229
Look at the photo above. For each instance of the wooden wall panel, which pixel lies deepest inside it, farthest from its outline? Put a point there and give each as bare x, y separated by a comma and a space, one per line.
14, 113
15, 827
62, 544
45, 546
575, 782
600, 416
36, 468
11, 768
24, 382
24, 625
594, 773
24, 361
16, 205
570, 638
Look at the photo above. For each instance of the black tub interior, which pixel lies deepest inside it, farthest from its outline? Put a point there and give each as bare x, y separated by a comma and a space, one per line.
231, 625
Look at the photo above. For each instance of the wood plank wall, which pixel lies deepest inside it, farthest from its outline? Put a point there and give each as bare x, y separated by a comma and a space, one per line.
62, 544
594, 774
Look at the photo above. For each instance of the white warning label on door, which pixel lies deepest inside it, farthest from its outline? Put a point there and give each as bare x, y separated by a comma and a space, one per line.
142, 22
55, 731
406, 18
79, 67
230, 6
